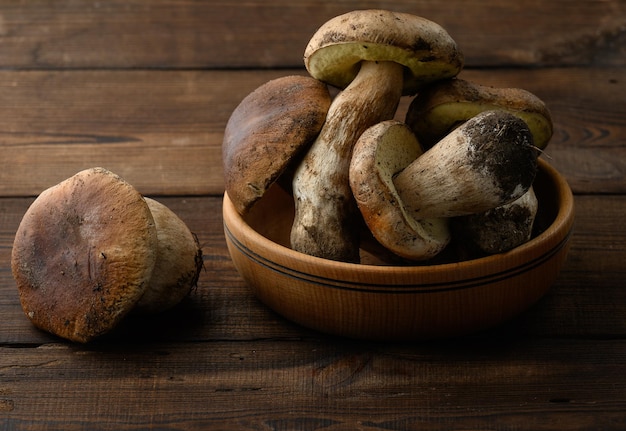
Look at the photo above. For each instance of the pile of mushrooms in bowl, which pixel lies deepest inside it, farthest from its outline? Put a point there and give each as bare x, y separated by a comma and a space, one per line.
346, 220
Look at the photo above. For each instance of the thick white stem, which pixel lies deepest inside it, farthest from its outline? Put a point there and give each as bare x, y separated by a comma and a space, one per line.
487, 162
325, 223
178, 262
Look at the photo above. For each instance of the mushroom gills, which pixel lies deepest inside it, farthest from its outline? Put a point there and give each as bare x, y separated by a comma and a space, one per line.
444, 105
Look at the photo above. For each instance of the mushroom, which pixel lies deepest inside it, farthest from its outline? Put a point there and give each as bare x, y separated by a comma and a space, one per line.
442, 106
499, 229
376, 56
484, 163
267, 131
381, 152
85, 254
487, 162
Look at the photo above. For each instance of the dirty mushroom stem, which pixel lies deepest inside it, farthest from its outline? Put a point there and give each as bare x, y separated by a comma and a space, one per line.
324, 223
486, 162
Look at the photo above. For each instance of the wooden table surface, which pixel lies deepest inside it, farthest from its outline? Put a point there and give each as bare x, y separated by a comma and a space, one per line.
145, 88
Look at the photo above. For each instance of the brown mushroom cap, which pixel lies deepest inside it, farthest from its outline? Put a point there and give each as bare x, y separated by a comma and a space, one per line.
83, 254
445, 104
425, 49
270, 128
381, 152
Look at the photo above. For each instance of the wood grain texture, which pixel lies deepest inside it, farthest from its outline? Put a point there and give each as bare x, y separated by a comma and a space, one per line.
145, 89
305, 385
225, 35
163, 130
586, 301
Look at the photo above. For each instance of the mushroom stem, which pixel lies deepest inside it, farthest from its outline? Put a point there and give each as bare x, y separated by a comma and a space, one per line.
178, 262
91, 249
324, 223
488, 161
499, 229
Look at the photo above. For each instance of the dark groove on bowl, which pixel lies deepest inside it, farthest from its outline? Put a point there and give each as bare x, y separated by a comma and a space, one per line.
399, 288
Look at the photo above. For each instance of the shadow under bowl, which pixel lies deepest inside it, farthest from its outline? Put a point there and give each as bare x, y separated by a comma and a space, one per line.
401, 303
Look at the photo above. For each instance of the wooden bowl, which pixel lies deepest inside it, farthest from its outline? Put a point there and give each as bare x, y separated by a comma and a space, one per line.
378, 302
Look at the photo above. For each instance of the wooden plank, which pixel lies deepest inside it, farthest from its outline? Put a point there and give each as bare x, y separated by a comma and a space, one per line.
300, 385
588, 108
145, 88
221, 307
174, 34
587, 300
162, 130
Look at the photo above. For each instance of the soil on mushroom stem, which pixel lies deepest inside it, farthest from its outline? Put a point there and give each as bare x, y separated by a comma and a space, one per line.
499, 231
485, 153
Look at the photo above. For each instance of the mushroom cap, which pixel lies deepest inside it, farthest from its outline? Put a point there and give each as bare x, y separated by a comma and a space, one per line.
381, 152
269, 129
443, 105
83, 254
425, 49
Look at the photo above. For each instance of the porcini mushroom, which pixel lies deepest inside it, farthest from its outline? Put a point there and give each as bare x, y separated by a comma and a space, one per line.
376, 56
84, 255
445, 104
267, 131
381, 152
487, 162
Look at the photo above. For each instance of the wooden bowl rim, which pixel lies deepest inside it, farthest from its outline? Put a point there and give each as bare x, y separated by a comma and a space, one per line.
410, 279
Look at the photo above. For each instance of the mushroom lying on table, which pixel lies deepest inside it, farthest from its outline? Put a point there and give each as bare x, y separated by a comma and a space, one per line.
487, 162
90, 249
376, 56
